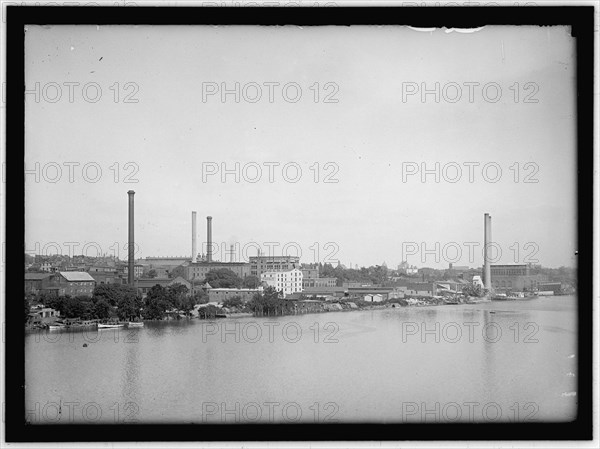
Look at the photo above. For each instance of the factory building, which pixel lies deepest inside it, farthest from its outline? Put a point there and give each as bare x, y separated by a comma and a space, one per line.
199, 270
515, 277
264, 264
287, 282
318, 282
221, 294
310, 271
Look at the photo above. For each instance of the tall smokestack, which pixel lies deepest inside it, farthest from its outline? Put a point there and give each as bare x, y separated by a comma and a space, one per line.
487, 239
209, 239
194, 233
232, 252
131, 242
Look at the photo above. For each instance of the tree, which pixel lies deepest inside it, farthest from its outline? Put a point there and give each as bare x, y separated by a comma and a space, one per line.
156, 304
55, 302
177, 294
152, 273
128, 307
235, 301
200, 297
102, 309
222, 278
74, 307
269, 302
187, 305
112, 293
209, 311
251, 282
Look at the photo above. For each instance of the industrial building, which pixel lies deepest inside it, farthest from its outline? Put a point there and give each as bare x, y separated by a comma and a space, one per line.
318, 282
264, 264
309, 271
221, 294
72, 283
199, 270
287, 282
163, 262
515, 277
37, 282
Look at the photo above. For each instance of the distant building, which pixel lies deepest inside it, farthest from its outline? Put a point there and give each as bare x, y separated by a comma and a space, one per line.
104, 273
107, 277
318, 282
154, 262
323, 292
405, 268
356, 284
363, 291
37, 282
221, 294
477, 281
264, 264
554, 287
46, 266
138, 270
285, 281
373, 298
76, 283
420, 289
199, 270
159, 272
144, 285
309, 271
182, 281
515, 277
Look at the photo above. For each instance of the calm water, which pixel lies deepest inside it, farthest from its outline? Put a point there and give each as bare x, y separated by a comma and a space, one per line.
500, 361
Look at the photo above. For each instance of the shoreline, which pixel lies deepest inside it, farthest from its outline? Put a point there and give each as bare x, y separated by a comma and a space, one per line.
251, 315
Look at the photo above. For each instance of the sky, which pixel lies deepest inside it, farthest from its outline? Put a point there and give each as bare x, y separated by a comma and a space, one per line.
117, 108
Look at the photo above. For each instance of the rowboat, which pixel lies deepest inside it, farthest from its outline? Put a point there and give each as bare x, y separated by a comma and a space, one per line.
56, 326
135, 324
109, 326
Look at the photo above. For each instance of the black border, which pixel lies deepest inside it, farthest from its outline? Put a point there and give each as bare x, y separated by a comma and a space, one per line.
581, 18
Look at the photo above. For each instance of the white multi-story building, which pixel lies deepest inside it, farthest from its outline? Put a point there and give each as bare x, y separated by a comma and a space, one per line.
287, 282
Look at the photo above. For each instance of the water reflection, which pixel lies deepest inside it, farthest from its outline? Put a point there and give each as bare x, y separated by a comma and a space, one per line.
390, 365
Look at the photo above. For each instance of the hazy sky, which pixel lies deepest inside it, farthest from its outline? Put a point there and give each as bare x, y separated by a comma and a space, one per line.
160, 110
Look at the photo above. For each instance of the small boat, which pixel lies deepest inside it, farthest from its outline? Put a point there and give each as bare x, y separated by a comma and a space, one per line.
75, 323
110, 326
135, 324
502, 297
57, 326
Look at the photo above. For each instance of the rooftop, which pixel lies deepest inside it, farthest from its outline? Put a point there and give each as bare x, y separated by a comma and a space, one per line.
37, 276
77, 276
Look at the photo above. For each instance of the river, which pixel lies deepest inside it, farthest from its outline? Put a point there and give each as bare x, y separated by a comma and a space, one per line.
512, 361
